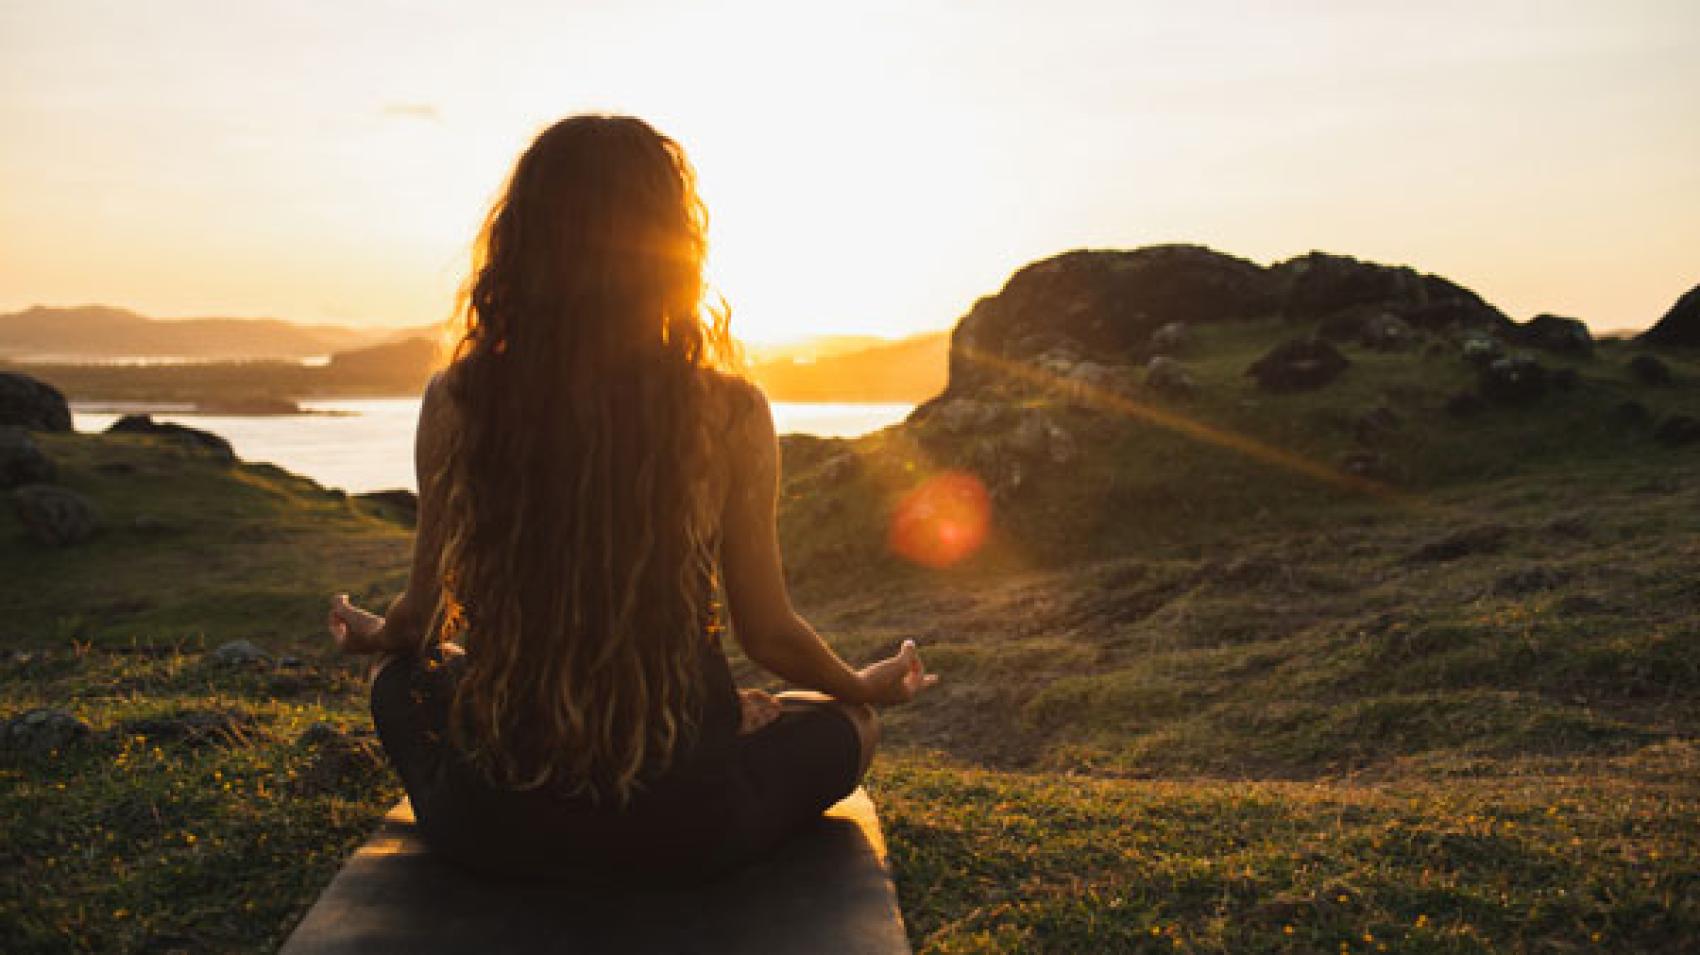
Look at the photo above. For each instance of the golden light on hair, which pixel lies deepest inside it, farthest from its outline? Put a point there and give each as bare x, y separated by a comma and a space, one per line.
942, 521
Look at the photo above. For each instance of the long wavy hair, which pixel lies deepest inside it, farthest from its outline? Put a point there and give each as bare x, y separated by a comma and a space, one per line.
578, 561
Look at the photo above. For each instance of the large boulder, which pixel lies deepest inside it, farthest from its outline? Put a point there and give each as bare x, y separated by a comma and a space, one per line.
32, 403
1167, 376
1299, 364
1681, 325
1319, 285
55, 515
1554, 333
42, 732
1104, 305
216, 446
21, 459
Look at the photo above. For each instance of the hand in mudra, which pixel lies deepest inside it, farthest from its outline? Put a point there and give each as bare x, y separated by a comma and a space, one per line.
897, 678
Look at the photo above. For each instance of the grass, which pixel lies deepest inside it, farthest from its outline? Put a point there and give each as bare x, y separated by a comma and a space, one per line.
1190, 701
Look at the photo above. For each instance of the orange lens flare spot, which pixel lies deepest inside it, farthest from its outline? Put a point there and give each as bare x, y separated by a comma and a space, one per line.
942, 521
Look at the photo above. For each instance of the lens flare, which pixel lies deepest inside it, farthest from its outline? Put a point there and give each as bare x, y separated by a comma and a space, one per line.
942, 521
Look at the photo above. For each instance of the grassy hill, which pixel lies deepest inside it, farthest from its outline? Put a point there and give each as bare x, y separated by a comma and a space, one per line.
1208, 686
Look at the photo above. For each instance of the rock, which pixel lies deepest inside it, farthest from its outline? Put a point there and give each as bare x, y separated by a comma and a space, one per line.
1375, 426
1678, 430
1169, 339
21, 459
1480, 349
1089, 382
1299, 364
1512, 380
239, 653
1385, 331
1630, 414
31, 403
1319, 285
839, 469
1680, 327
959, 416
42, 731
1036, 437
1649, 370
1345, 326
54, 515
1481, 539
1565, 379
1167, 376
398, 503
1554, 333
1104, 303
1465, 404
216, 446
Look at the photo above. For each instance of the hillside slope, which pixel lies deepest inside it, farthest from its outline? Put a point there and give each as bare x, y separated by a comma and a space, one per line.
1236, 669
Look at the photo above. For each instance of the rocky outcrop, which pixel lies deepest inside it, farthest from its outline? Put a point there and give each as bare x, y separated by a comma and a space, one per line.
1318, 285
54, 515
400, 504
1101, 304
1298, 364
1556, 334
1126, 307
21, 459
1680, 328
214, 445
32, 403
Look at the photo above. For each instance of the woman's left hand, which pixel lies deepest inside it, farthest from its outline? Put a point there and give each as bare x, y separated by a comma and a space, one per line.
354, 630
757, 709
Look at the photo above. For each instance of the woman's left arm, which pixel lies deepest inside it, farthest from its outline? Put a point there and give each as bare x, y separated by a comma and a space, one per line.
404, 628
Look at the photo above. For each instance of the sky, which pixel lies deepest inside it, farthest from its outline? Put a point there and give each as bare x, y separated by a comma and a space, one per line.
870, 168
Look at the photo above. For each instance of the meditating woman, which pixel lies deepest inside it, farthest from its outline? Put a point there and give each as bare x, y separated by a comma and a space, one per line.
553, 691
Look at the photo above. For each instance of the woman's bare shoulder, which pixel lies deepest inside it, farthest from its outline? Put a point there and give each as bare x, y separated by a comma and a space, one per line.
736, 402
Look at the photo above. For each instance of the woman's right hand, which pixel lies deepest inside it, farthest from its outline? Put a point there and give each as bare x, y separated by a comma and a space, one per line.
897, 678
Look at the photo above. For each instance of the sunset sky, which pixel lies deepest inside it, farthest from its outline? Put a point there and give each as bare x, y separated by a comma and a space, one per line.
871, 167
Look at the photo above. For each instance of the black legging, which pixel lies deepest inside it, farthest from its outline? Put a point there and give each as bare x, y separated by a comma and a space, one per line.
729, 798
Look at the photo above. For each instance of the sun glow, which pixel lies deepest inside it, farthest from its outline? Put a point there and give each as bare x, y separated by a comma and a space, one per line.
942, 521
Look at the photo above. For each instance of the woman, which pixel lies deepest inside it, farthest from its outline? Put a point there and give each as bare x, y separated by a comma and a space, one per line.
588, 482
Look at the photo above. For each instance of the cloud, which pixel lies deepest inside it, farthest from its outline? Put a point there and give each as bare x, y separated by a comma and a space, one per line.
422, 111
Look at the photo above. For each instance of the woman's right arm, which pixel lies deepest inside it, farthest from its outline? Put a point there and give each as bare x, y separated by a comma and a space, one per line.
763, 620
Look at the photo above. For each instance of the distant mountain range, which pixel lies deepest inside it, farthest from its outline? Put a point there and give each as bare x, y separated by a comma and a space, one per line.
878, 369
397, 360
94, 332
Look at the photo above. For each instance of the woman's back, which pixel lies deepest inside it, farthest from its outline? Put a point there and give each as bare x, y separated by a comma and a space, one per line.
589, 485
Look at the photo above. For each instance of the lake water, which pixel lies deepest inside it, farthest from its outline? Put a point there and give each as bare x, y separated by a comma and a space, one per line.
366, 444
